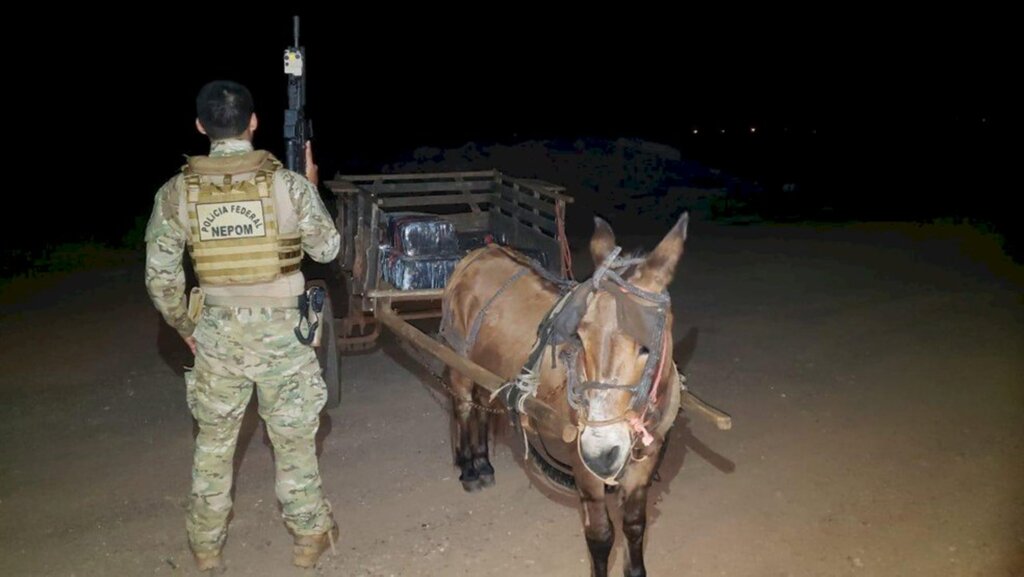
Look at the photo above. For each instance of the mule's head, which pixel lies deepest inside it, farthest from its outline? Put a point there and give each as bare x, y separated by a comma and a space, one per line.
617, 346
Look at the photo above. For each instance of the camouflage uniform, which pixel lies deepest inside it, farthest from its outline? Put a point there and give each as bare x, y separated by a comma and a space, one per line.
239, 346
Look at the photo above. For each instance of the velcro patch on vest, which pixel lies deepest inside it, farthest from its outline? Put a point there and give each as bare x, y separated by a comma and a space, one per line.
231, 220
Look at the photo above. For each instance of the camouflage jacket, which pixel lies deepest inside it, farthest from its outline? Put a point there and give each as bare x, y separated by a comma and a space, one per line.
167, 235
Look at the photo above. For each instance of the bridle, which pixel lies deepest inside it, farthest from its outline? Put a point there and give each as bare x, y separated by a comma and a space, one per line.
641, 314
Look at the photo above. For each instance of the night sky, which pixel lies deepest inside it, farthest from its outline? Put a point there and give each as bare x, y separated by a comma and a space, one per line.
878, 114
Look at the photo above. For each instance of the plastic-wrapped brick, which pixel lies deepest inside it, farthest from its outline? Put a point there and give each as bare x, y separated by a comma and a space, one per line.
414, 234
416, 272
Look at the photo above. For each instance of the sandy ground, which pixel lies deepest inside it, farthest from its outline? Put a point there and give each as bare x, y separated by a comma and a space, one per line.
875, 375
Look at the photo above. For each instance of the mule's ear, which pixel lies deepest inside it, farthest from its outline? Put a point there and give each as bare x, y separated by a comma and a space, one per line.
603, 241
659, 267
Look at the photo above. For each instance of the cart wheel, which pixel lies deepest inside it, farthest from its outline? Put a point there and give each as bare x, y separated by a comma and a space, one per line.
358, 331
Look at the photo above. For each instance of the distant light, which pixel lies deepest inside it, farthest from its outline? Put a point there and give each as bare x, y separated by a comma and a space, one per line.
984, 120
695, 131
723, 131
753, 129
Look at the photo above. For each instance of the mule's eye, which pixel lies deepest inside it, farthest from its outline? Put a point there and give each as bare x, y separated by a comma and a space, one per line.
644, 350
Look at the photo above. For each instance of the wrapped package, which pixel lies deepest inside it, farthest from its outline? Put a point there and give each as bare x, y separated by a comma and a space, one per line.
421, 250
417, 272
417, 234
473, 240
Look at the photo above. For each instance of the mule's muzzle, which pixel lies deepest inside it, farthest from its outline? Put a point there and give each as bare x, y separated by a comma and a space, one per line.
605, 464
604, 450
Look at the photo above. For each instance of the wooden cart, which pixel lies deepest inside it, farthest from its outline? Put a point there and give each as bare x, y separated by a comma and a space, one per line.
526, 214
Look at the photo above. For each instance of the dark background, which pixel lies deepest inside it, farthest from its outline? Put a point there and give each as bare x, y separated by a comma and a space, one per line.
875, 115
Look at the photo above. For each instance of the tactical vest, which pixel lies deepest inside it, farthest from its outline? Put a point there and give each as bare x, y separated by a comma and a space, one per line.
232, 214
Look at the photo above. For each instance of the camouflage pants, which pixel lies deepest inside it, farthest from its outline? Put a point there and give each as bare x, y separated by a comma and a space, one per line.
235, 348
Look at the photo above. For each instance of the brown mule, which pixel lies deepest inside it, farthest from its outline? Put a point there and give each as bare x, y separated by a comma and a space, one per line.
598, 353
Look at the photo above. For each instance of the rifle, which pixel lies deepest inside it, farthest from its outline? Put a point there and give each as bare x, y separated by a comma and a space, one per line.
297, 128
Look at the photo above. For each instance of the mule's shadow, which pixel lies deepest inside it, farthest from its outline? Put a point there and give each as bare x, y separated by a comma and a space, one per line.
681, 434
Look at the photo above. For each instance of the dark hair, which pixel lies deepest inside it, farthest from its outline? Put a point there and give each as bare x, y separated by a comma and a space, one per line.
224, 108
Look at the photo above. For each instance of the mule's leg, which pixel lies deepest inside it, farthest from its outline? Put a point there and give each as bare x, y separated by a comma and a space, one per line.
597, 525
462, 405
481, 454
635, 482
634, 524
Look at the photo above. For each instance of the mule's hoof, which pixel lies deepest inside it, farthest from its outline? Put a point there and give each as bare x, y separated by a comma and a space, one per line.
470, 480
485, 471
478, 475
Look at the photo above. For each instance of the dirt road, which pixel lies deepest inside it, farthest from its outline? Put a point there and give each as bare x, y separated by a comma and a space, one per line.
875, 375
